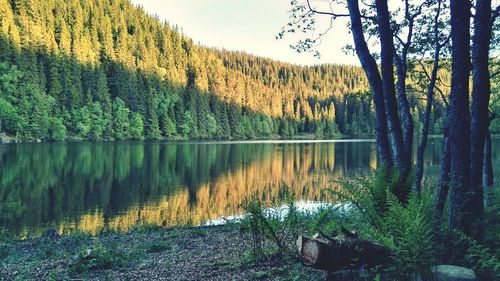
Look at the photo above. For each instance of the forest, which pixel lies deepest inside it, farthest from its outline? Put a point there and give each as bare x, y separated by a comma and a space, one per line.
94, 69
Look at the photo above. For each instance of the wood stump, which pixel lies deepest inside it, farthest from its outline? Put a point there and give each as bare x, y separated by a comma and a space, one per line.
346, 251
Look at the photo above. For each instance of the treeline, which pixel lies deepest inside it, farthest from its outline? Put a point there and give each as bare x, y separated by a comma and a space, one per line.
98, 69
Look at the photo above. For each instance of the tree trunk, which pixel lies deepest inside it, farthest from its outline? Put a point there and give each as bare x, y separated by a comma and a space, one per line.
371, 69
387, 67
340, 253
444, 178
423, 141
487, 162
479, 108
430, 101
404, 108
458, 116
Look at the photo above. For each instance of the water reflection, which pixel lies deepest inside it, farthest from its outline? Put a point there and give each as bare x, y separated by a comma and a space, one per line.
94, 186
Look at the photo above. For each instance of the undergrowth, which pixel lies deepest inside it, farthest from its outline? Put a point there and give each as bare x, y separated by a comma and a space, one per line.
279, 224
378, 210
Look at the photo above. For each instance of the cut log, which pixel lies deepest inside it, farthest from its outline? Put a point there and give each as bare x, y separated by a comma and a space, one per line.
341, 252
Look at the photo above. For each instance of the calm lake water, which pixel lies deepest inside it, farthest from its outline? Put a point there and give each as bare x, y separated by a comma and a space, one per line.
95, 186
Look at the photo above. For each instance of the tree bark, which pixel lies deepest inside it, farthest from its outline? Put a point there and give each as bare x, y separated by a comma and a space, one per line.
479, 107
458, 116
387, 67
340, 253
425, 132
444, 178
487, 162
371, 69
430, 100
404, 109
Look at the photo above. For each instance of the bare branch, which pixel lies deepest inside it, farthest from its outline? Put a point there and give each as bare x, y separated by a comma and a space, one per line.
442, 83
443, 97
335, 15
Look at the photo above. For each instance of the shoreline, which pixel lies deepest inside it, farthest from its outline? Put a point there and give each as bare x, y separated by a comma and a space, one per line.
6, 140
145, 253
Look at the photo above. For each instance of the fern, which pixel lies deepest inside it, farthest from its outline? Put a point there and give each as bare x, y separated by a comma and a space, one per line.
404, 226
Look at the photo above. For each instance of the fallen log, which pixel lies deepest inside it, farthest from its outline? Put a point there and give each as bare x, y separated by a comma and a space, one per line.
346, 251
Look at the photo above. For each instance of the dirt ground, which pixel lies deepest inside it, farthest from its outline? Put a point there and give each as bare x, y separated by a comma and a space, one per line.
208, 253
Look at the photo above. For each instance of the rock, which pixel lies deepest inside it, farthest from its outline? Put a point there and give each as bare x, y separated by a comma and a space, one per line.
440, 273
453, 273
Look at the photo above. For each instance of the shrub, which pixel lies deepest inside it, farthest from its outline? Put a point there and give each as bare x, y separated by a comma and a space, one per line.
483, 260
369, 194
275, 222
155, 247
95, 257
404, 225
410, 232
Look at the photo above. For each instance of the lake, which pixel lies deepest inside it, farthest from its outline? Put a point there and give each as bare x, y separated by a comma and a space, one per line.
94, 186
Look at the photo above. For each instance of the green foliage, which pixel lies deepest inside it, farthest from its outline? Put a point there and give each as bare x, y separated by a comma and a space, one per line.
211, 125
404, 227
454, 247
120, 119
492, 215
187, 124
408, 230
40, 107
157, 246
483, 260
277, 223
370, 194
82, 122
9, 119
169, 128
99, 121
94, 257
136, 126
81, 61
57, 130
9, 79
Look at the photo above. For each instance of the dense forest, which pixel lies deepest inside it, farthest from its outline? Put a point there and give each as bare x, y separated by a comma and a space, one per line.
99, 69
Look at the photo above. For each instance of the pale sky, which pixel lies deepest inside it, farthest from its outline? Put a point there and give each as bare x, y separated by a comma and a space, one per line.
250, 26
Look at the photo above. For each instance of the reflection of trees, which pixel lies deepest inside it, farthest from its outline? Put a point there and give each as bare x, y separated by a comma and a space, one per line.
89, 186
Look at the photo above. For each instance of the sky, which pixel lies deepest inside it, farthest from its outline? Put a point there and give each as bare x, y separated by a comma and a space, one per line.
250, 26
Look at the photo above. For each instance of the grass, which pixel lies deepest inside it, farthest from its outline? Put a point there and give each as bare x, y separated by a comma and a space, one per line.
157, 246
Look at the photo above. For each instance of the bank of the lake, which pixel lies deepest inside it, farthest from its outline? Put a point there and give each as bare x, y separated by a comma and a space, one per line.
12, 139
147, 253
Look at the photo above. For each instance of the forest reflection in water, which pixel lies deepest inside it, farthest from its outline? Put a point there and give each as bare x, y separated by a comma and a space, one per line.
94, 186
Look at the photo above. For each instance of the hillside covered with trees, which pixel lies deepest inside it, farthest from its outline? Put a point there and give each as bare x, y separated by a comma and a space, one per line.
99, 69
